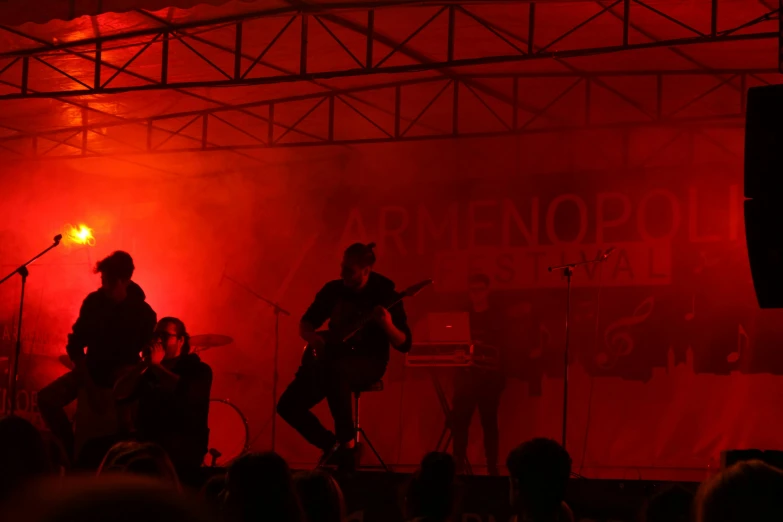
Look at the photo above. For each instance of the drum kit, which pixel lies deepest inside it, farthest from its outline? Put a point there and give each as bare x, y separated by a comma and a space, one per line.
229, 431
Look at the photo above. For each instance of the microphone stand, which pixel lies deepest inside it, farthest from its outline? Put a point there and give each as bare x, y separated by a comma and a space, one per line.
568, 271
13, 372
277, 311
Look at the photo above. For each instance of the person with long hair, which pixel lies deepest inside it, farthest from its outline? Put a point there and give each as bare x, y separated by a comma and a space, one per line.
172, 386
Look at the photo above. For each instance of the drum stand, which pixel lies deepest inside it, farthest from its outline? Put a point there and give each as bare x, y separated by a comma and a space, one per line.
13, 372
214, 455
277, 311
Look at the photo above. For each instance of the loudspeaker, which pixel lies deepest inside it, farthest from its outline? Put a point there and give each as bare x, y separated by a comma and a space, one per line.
764, 142
764, 188
764, 236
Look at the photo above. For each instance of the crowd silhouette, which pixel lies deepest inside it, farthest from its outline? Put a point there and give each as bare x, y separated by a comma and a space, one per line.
136, 481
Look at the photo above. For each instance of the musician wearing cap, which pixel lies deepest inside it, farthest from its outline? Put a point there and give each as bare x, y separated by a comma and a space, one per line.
332, 369
172, 386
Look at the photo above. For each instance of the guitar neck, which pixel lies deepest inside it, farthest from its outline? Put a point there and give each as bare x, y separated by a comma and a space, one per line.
365, 320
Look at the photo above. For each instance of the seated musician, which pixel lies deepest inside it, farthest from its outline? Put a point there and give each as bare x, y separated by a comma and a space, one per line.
480, 387
172, 386
333, 373
114, 324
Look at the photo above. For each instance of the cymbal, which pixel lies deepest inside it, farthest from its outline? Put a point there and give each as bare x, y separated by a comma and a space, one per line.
207, 341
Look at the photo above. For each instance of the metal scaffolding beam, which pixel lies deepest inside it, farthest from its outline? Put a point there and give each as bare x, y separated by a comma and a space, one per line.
412, 110
218, 51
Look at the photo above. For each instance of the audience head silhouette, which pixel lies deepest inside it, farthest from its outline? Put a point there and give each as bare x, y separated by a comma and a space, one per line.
746, 492
672, 504
539, 471
23, 454
320, 496
119, 498
212, 490
259, 487
144, 459
431, 491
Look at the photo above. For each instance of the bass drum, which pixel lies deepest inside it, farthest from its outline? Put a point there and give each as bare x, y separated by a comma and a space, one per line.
229, 433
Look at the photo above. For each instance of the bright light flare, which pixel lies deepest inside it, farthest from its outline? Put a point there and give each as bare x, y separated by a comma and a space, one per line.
79, 235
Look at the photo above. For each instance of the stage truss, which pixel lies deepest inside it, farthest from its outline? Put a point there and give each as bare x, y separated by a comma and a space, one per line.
219, 51
385, 113
452, 41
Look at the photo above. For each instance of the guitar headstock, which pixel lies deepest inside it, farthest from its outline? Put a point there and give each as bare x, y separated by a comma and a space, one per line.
415, 289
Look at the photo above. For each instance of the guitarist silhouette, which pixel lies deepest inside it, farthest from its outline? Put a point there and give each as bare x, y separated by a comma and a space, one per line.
351, 355
115, 323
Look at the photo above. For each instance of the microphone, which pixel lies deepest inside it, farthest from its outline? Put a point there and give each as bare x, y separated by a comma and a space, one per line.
607, 253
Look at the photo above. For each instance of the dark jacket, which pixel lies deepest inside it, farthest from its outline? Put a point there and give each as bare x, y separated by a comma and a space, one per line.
178, 420
343, 307
113, 333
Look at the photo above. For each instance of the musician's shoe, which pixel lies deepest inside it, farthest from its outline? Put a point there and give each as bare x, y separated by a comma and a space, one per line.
349, 458
330, 457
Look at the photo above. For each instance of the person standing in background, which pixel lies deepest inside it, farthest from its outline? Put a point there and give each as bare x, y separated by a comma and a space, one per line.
480, 388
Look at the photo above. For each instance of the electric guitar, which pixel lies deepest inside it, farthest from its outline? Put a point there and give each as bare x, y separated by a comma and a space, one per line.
339, 343
98, 414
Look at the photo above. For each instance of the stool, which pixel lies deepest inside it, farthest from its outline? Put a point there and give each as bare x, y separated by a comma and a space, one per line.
358, 430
